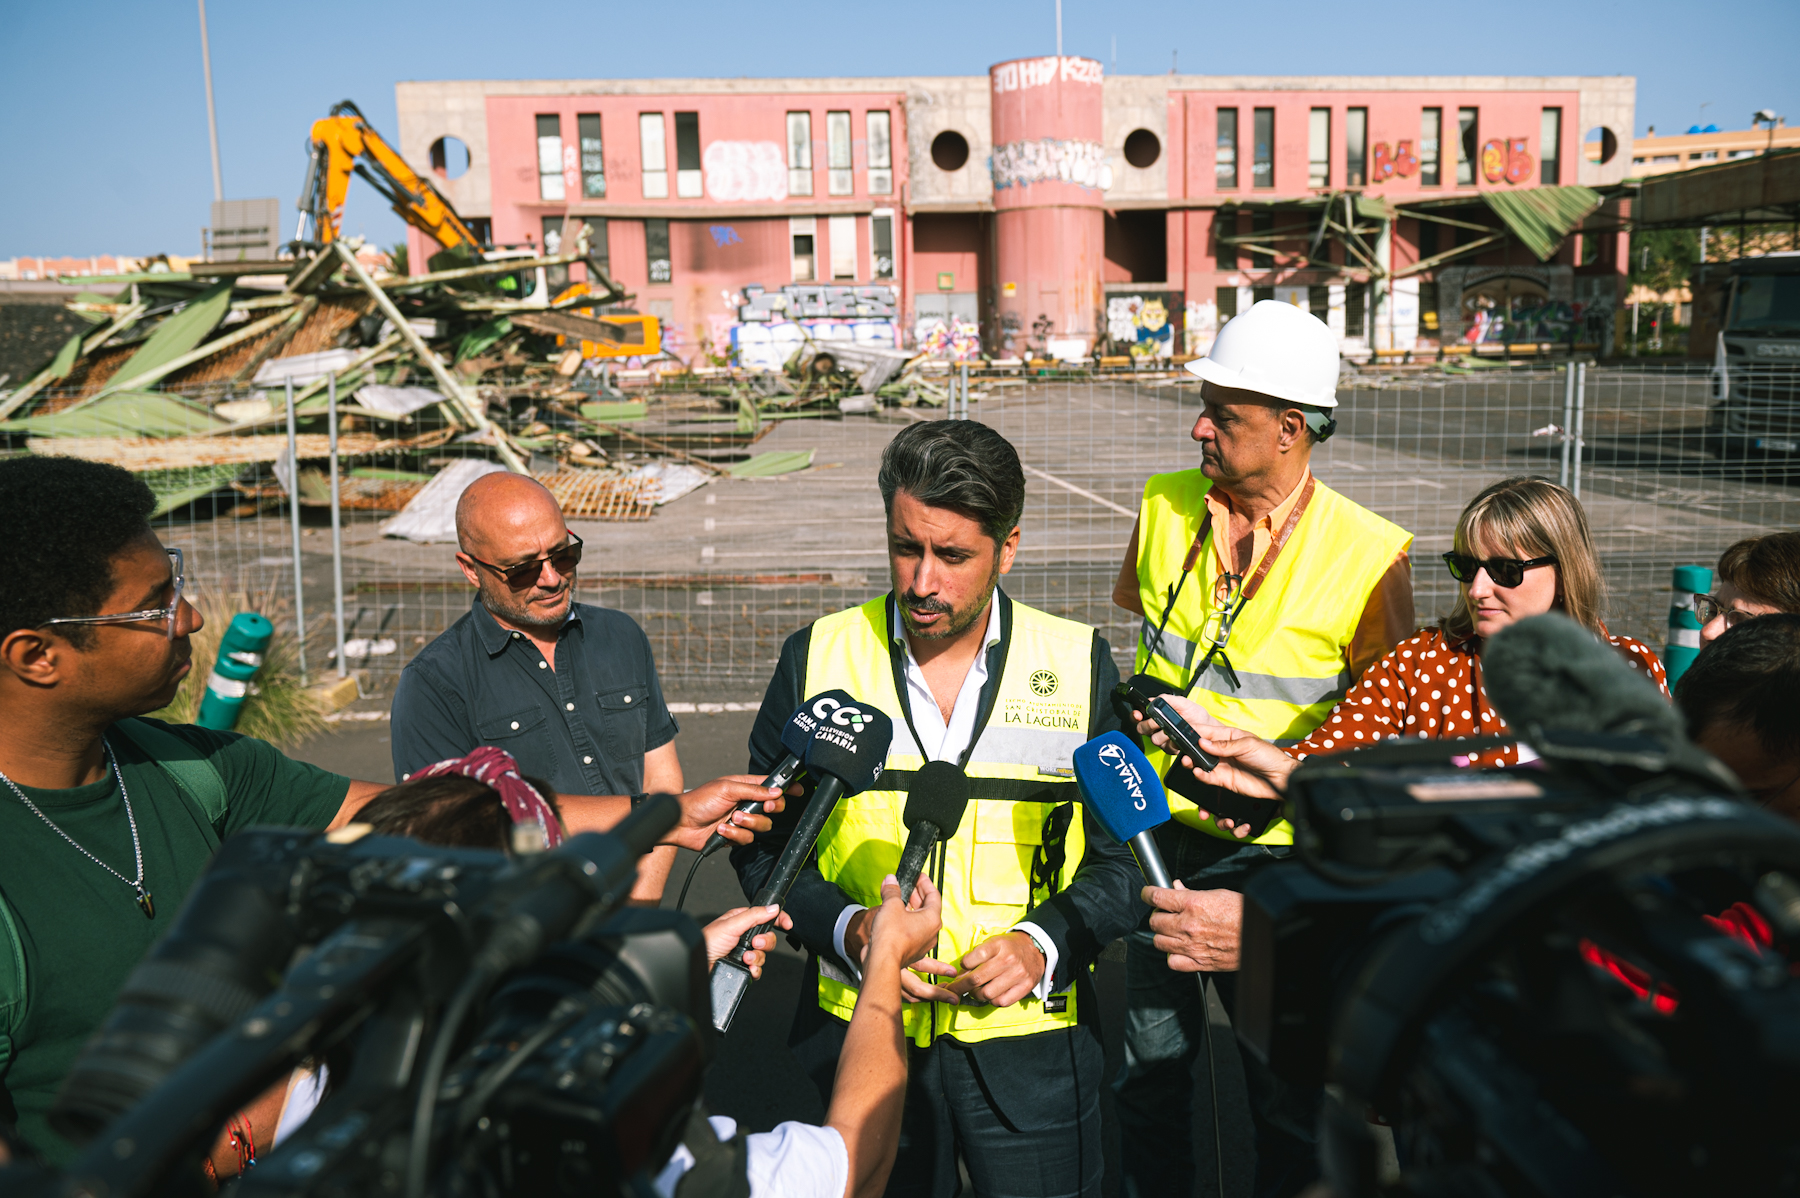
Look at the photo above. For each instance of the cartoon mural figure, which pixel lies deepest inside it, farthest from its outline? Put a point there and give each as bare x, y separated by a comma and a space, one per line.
1142, 325
959, 340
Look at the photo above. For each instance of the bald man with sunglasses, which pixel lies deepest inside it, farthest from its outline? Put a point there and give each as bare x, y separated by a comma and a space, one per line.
569, 689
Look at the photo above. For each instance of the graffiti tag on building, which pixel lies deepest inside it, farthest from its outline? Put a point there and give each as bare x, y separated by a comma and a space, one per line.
1400, 160
1051, 160
744, 171
1506, 159
1036, 72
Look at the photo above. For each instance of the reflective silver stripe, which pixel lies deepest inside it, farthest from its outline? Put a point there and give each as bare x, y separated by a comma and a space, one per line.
829, 969
1170, 648
1045, 748
1301, 692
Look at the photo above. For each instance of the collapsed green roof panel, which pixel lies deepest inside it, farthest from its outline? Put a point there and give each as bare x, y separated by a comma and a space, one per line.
1541, 217
180, 332
127, 414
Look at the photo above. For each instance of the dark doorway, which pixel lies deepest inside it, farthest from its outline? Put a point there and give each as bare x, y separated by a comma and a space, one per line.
1137, 247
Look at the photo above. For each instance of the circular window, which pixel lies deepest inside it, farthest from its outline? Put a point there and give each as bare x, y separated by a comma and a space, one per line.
1142, 148
949, 150
449, 158
1602, 144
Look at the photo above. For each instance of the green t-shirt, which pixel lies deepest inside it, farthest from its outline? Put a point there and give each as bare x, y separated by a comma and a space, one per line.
80, 929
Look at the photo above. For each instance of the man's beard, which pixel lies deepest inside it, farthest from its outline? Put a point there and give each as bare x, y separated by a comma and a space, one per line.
960, 622
512, 607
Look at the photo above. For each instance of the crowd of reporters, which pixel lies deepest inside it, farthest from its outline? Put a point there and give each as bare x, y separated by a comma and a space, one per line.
952, 1033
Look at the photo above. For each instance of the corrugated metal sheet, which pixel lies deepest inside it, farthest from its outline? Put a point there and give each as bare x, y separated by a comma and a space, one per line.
1540, 217
1764, 188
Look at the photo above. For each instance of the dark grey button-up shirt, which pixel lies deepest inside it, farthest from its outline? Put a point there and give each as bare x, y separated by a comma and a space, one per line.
583, 726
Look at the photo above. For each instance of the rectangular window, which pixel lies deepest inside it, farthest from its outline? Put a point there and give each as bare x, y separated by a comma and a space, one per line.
1318, 302
687, 155
556, 277
1225, 225
842, 232
1428, 306
1261, 225
1355, 309
1549, 147
593, 156
1468, 122
799, 129
839, 181
1226, 299
801, 231
1318, 148
881, 156
1225, 152
655, 155
597, 247
1262, 164
656, 250
1259, 294
881, 243
549, 147
1431, 133
1428, 239
1356, 147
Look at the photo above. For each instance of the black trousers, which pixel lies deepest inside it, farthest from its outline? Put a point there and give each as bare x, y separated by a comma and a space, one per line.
1022, 1112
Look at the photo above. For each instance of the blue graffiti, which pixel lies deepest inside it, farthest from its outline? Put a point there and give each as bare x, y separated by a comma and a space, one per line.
724, 235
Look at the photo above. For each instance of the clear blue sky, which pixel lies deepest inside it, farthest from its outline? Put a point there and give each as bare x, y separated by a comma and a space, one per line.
105, 133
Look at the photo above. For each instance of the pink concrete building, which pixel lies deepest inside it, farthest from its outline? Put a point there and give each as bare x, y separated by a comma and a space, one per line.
1043, 208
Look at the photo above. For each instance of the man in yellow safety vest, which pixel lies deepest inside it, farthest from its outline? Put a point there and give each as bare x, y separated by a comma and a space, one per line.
1264, 594
1006, 1061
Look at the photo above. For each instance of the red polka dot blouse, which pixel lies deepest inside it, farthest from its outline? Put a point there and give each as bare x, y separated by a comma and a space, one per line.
1430, 687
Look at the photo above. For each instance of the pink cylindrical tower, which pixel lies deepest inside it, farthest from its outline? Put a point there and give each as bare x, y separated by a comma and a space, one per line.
1050, 177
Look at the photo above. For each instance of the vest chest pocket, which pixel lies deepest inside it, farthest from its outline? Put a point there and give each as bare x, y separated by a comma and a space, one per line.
508, 730
1007, 834
623, 720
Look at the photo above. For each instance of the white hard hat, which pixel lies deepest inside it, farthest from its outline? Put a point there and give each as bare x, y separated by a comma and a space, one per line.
1278, 350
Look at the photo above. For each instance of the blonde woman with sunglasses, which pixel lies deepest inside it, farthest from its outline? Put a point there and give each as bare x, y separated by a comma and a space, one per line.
1522, 548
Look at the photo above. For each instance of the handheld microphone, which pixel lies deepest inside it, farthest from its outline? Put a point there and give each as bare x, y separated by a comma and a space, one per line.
934, 810
795, 737
848, 749
1124, 794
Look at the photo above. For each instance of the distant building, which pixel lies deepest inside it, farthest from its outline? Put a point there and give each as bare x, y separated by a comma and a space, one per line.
31, 269
1042, 207
1653, 155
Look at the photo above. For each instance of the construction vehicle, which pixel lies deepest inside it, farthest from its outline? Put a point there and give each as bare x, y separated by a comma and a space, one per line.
1756, 366
344, 143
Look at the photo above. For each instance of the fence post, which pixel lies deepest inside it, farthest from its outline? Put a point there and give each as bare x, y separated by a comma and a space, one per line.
1580, 416
965, 390
294, 506
337, 526
1684, 623
1568, 420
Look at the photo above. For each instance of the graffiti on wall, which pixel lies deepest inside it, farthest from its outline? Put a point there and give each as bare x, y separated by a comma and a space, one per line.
813, 301
1506, 159
1141, 326
1052, 160
745, 171
773, 324
1036, 72
1387, 162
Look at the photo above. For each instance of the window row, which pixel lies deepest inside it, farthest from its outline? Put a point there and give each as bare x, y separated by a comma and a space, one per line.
841, 265
1405, 158
559, 165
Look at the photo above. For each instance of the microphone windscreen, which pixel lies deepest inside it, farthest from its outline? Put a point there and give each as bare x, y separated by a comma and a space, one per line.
851, 743
1119, 787
1550, 672
940, 795
803, 723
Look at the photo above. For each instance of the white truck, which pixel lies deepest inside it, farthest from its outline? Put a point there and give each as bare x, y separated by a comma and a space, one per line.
1756, 367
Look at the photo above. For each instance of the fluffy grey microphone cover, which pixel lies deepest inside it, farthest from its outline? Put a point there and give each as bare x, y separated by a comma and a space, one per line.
1550, 672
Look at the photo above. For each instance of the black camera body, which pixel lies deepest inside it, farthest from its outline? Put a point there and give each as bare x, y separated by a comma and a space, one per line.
1546, 985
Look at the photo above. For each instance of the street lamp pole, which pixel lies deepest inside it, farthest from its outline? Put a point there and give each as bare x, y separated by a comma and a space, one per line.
212, 120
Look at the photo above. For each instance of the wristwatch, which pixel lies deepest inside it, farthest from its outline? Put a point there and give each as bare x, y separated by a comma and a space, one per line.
637, 800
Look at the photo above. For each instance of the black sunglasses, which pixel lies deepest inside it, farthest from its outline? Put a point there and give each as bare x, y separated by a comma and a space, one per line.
526, 574
1506, 572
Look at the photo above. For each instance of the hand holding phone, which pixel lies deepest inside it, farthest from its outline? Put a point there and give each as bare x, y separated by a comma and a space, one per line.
1181, 734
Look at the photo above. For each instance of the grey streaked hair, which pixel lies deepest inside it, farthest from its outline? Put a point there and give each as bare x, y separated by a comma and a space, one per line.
958, 464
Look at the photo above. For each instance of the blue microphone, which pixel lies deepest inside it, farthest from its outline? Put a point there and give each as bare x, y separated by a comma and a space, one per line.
1124, 794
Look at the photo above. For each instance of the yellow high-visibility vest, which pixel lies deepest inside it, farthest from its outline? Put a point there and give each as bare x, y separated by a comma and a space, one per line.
1021, 766
1290, 647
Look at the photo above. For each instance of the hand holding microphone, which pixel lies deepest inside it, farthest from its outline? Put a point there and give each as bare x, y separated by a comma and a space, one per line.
795, 737
934, 811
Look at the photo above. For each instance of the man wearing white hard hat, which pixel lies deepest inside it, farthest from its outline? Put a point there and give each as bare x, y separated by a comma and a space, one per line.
1264, 594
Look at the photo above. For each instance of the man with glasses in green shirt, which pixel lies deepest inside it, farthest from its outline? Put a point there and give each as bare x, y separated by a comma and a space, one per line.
106, 818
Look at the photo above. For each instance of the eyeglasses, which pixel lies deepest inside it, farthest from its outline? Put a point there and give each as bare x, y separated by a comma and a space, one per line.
526, 574
1506, 572
166, 614
1710, 607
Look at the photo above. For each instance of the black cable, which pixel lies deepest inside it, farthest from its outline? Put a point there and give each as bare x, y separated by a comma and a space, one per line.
681, 900
418, 1151
1212, 1070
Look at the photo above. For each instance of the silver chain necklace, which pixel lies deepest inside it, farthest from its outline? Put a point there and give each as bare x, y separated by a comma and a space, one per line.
145, 901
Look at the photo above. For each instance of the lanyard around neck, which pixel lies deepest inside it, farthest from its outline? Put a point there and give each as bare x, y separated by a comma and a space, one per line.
1233, 607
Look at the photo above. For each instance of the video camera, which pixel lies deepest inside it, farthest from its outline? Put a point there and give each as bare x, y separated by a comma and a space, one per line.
492, 1026
1531, 974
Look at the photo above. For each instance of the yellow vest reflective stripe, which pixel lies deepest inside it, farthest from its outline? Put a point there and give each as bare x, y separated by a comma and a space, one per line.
1290, 645
1040, 714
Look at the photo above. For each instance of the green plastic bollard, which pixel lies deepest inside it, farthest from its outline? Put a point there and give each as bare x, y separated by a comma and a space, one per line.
1684, 624
240, 657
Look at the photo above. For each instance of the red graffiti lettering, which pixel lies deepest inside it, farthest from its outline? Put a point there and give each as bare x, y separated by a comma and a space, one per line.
1406, 163
1382, 165
1519, 161
1493, 160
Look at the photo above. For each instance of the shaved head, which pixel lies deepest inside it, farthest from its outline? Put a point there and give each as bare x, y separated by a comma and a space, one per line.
506, 520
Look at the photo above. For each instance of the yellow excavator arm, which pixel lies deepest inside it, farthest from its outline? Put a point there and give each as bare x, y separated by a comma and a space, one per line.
345, 143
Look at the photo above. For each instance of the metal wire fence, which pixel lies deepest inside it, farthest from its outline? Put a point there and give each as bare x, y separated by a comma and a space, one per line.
719, 577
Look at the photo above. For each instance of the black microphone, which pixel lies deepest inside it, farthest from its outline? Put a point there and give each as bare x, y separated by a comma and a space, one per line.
795, 737
847, 753
934, 810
